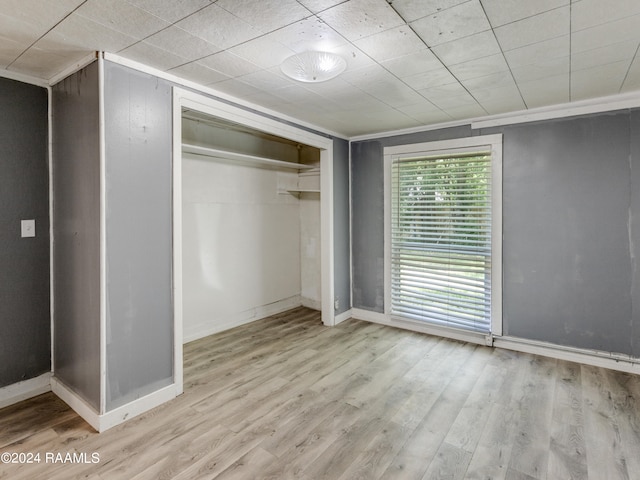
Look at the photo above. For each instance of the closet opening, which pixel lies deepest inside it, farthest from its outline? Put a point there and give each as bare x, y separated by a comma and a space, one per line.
252, 219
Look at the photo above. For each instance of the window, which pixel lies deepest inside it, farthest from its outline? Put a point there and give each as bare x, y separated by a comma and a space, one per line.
444, 231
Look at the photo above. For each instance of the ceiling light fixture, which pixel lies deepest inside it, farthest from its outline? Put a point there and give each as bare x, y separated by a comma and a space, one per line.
313, 66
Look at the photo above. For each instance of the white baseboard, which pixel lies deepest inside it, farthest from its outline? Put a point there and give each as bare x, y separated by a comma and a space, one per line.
596, 358
77, 403
383, 319
195, 332
108, 420
311, 303
26, 389
137, 407
342, 317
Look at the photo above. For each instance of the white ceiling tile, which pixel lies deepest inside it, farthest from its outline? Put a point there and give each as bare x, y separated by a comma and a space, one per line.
10, 50
393, 93
308, 34
412, 10
355, 58
445, 103
433, 78
319, 5
263, 52
538, 28
367, 75
598, 81
466, 111
196, 72
266, 15
590, 13
605, 55
545, 68
236, 88
469, 48
391, 43
501, 12
356, 19
480, 68
219, 27
152, 56
632, 80
539, 52
606, 34
44, 63
493, 81
546, 91
122, 17
178, 42
440, 92
229, 64
33, 17
451, 24
172, 11
264, 80
505, 95
413, 64
79, 34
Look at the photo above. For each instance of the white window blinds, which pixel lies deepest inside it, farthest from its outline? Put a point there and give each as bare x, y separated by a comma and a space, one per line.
441, 238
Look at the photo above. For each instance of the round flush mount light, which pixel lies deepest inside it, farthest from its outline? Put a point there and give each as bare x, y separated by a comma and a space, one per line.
313, 66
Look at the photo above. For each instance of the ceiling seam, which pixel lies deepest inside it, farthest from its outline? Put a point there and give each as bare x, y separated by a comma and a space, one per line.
570, 47
45, 34
624, 80
515, 82
441, 62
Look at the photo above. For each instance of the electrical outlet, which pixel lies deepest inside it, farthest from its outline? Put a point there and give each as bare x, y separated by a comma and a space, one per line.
28, 228
336, 304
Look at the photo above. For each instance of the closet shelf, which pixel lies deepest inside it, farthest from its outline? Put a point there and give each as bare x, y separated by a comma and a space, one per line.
226, 155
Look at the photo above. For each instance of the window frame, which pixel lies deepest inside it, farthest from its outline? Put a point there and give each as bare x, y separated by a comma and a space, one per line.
493, 143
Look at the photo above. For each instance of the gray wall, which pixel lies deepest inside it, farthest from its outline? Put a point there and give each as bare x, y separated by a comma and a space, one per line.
25, 322
76, 222
138, 233
569, 231
341, 247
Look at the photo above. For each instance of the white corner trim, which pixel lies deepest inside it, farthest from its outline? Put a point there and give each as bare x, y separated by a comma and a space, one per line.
20, 77
125, 62
77, 404
73, 68
596, 358
342, 317
26, 389
137, 407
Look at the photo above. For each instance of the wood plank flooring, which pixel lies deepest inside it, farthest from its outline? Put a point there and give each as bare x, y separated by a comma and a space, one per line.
287, 398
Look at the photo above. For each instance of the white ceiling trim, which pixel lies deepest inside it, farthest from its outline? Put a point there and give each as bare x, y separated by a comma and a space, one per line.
583, 107
19, 77
73, 68
215, 93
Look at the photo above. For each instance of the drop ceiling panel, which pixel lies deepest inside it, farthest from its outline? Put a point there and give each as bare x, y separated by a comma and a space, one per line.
390, 44
414, 9
409, 62
310, 34
538, 28
219, 27
451, 24
266, 15
357, 19
416, 63
501, 12
171, 11
122, 17
473, 47
176, 41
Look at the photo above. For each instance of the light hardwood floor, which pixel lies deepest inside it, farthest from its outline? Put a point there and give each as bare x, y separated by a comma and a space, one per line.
287, 398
